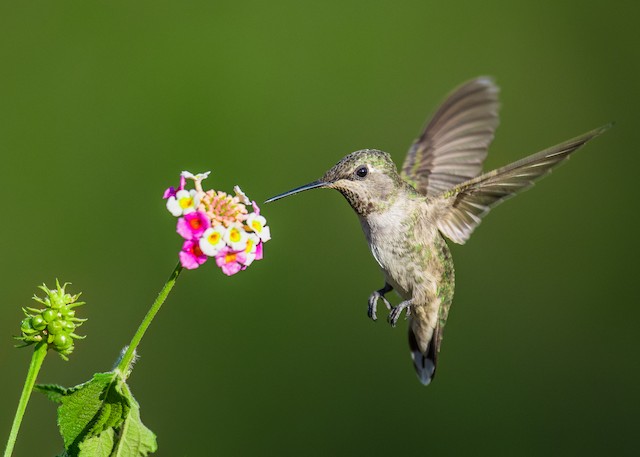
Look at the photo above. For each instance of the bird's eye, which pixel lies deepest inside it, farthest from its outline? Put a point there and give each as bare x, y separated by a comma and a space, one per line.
362, 172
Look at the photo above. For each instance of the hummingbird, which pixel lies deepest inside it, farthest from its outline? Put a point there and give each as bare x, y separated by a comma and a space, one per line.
440, 192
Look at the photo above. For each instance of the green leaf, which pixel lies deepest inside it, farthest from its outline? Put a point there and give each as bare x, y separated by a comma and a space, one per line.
98, 446
101, 418
135, 439
53, 391
89, 409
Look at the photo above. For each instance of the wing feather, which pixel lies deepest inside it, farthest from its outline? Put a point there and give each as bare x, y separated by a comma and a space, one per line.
454, 143
466, 204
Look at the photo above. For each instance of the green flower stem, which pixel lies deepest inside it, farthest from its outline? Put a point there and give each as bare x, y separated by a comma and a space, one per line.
39, 354
127, 358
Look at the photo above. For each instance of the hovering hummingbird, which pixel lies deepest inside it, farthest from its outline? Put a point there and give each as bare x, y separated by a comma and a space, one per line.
440, 192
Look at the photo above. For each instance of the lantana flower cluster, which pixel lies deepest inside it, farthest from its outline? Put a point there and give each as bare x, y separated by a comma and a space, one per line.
56, 323
216, 225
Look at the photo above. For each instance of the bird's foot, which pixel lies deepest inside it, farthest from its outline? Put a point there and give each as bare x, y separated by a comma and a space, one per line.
373, 301
394, 315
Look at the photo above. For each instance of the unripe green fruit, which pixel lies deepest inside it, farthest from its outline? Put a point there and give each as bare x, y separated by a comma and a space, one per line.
68, 326
38, 322
55, 327
49, 315
67, 311
26, 326
62, 341
56, 301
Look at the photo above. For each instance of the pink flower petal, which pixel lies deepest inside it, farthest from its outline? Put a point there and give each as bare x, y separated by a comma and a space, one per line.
220, 257
191, 256
193, 225
231, 268
170, 192
241, 257
230, 261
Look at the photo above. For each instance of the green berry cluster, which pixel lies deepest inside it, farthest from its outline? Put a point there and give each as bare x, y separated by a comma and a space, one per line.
56, 323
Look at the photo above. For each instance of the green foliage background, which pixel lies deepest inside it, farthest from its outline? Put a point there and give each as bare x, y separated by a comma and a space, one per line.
102, 104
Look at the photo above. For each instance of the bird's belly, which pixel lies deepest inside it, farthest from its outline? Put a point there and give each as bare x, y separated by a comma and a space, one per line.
405, 251
405, 294
398, 272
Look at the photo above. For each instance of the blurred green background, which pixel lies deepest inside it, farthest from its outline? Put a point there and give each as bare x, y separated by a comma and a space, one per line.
102, 104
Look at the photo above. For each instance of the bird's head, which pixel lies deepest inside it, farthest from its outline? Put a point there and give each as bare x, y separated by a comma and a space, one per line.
368, 179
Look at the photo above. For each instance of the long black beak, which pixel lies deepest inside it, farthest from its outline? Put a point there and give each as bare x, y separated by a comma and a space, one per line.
311, 185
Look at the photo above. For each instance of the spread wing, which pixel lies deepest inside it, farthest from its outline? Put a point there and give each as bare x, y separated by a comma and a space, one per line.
454, 143
466, 204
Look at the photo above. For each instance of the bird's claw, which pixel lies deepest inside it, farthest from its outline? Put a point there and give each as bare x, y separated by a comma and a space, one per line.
373, 304
396, 311
394, 315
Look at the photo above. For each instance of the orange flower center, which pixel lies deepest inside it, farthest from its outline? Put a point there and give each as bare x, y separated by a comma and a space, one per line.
214, 238
186, 202
234, 235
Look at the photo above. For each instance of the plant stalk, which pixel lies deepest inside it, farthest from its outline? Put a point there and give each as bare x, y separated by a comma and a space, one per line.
127, 358
39, 353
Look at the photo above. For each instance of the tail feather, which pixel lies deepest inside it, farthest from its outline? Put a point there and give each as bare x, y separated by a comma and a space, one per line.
424, 362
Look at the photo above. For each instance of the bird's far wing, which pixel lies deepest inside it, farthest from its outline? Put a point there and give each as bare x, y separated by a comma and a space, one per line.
454, 143
466, 204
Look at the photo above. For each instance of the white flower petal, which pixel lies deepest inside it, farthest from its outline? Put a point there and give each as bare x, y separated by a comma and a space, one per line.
251, 256
252, 243
187, 201
265, 234
211, 245
196, 197
196, 177
236, 237
241, 195
174, 207
256, 222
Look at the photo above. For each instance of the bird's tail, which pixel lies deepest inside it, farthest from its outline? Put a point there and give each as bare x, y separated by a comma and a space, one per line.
424, 362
